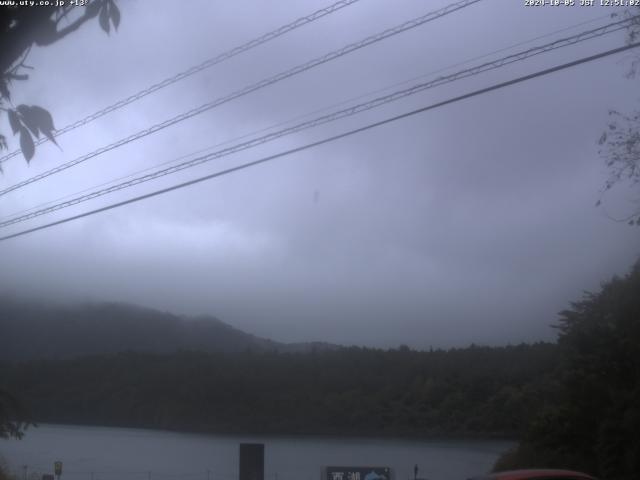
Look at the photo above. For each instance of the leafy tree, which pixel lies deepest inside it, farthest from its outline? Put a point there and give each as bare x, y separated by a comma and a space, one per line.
596, 424
22, 27
620, 142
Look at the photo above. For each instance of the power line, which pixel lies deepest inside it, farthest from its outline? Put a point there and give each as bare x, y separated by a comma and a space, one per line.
353, 110
251, 88
129, 175
332, 138
195, 69
308, 114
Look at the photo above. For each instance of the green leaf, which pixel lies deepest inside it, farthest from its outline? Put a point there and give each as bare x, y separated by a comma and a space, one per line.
44, 121
92, 9
104, 18
115, 14
26, 144
43, 118
14, 121
28, 119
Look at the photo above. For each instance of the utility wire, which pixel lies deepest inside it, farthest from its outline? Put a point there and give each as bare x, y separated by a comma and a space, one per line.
370, 126
251, 88
195, 69
353, 110
306, 115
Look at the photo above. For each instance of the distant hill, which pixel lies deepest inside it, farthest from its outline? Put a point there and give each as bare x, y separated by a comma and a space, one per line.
31, 330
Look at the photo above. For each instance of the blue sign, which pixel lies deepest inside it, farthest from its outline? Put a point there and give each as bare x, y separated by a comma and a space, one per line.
358, 473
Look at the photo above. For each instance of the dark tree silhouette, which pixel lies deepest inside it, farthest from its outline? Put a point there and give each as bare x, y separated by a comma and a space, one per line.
475, 391
13, 416
22, 27
595, 423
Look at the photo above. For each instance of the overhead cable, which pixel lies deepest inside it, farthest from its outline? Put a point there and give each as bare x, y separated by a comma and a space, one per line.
339, 114
330, 139
193, 70
305, 115
415, 22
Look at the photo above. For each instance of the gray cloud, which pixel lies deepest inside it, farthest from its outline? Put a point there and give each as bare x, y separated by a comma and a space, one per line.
471, 223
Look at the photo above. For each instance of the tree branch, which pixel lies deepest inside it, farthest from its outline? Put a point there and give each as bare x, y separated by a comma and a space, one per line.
89, 13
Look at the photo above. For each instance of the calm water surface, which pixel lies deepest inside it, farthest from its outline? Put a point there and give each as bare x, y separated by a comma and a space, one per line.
100, 453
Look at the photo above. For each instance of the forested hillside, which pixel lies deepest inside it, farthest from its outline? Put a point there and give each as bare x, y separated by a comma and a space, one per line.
472, 391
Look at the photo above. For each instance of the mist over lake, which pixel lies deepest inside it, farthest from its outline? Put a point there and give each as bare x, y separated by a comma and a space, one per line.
130, 454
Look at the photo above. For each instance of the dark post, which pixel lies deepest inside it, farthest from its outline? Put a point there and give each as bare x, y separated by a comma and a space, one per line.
252, 461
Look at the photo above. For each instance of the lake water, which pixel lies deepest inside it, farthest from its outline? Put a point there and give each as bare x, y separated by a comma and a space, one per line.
100, 453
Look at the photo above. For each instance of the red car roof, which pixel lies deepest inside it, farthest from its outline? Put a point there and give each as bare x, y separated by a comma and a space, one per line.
536, 474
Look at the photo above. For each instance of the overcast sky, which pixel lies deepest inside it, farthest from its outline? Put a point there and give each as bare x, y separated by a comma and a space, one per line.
470, 223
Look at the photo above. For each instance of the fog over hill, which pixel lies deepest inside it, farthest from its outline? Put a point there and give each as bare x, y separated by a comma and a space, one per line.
47, 330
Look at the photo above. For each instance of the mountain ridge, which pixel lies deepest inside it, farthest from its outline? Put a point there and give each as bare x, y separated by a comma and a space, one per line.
38, 330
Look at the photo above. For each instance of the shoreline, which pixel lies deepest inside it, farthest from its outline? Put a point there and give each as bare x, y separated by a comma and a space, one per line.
343, 435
